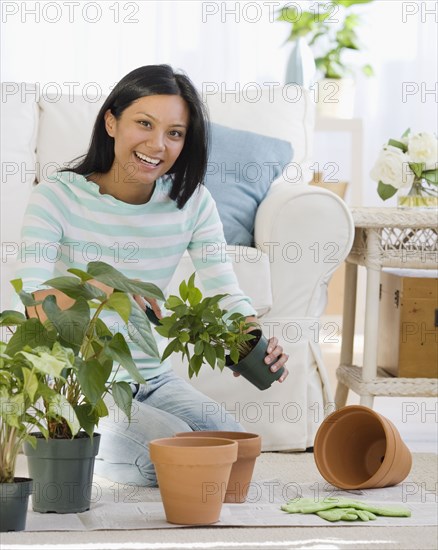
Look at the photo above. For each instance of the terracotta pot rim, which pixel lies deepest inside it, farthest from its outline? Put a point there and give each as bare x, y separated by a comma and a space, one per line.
167, 442
238, 436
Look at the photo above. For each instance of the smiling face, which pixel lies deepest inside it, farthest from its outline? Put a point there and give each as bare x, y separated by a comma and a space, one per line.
148, 138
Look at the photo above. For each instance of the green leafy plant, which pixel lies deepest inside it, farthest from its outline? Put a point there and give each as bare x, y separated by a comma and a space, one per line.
21, 376
330, 31
199, 330
79, 339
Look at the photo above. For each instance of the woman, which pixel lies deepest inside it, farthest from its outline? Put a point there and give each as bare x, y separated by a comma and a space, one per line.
137, 198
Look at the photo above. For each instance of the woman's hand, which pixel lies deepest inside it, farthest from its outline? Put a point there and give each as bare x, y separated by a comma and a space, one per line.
141, 301
275, 353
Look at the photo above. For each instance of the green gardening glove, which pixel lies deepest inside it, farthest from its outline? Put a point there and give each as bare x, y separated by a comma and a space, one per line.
332, 507
346, 514
309, 505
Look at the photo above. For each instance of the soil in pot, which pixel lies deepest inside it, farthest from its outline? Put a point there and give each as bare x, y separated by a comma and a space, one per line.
193, 474
249, 448
253, 366
357, 448
62, 470
14, 500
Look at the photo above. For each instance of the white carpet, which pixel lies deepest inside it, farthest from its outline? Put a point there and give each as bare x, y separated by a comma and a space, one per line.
294, 470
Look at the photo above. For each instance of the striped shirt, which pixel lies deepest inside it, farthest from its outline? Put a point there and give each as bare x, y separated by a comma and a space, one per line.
69, 223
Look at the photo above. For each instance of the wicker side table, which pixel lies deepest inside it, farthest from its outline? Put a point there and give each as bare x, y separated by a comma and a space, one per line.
384, 237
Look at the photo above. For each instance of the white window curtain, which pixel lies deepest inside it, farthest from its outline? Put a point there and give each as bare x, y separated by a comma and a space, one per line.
229, 44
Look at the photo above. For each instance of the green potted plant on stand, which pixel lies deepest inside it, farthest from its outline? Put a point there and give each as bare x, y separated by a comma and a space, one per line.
21, 375
331, 32
73, 404
204, 333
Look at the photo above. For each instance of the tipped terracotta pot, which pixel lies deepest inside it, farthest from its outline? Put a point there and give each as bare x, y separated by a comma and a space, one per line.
249, 448
357, 448
192, 474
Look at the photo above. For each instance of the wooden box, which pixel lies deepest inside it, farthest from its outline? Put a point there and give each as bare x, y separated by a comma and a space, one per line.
408, 332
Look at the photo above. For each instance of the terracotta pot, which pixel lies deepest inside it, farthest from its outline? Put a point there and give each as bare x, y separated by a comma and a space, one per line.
249, 448
357, 448
193, 474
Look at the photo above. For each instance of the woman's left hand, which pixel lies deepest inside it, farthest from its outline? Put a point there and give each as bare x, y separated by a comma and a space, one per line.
275, 353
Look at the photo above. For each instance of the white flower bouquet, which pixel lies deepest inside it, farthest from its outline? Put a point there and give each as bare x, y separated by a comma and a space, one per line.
410, 165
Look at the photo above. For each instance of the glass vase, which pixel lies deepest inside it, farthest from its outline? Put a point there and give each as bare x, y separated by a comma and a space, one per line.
422, 194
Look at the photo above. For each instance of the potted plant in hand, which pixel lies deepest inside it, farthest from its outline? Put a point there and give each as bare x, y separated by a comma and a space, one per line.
73, 404
203, 333
331, 32
21, 374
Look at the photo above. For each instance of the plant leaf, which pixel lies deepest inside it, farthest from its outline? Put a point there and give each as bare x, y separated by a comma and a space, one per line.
119, 301
71, 323
348, 3
195, 365
431, 176
75, 288
119, 351
170, 348
417, 168
210, 354
195, 296
368, 70
140, 331
183, 290
11, 318
45, 363
234, 355
199, 347
93, 376
385, 191
88, 417
122, 393
398, 144
59, 407
83, 275
112, 277
32, 333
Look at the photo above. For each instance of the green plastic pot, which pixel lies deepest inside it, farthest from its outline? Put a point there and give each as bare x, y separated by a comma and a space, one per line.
62, 470
14, 500
253, 366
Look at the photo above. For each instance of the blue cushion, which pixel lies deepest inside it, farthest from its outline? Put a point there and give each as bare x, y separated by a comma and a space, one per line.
241, 167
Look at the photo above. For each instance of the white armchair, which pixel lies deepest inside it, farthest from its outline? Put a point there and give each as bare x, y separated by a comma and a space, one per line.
302, 235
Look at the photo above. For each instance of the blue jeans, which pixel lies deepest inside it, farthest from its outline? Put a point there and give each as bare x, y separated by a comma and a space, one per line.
167, 404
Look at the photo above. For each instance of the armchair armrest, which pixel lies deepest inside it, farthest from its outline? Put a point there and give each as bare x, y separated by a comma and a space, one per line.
307, 233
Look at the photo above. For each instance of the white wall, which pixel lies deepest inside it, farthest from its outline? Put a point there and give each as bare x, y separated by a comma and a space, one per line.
227, 45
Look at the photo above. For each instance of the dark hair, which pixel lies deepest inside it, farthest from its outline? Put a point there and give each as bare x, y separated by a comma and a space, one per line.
189, 169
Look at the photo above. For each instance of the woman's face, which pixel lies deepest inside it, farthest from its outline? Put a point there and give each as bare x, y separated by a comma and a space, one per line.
148, 137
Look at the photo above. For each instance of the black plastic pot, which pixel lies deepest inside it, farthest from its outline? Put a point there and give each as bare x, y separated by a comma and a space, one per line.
14, 500
62, 470
253, 366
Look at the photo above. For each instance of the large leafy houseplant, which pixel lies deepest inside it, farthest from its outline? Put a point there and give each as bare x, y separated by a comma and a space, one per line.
71, 403
330, 31
81, 340
206, 334
21, 385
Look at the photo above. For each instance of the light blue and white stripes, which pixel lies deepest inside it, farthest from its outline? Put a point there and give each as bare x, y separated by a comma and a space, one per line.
68, 223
